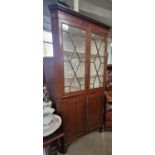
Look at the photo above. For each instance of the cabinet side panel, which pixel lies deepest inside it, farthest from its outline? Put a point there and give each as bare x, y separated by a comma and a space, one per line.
57, 59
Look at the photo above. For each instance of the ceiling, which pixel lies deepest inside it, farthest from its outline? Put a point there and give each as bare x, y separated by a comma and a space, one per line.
100, 10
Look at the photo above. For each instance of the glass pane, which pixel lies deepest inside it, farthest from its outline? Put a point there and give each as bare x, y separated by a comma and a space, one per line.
91, 86
68, 71
97, 61
92, 58
81, 70
98, 43
82, 57
75, 62
68, 81
81, 45
81, 80
92, 70
102, 49
74, 44
65, 27
97, 83
93, 47
98, 37
102, 59
75, 86
101, 78
67, 44
67, 89
67, 55
82, 87
92, 79
100, 72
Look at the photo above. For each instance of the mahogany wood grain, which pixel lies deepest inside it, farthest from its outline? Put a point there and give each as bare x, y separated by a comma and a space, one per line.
94, 112
80, 111
73, 115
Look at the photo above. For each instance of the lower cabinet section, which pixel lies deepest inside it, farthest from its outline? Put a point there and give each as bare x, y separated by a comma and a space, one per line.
80, 115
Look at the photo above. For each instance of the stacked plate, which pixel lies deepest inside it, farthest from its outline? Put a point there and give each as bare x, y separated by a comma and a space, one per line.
47, 104
51, 122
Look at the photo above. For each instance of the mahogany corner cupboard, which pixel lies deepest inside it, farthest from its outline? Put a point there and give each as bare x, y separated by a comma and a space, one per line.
75, 76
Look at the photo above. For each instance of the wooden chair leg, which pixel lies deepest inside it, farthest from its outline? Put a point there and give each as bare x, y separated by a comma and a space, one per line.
61, 147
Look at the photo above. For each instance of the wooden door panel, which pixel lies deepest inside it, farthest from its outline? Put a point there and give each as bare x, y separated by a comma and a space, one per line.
73, 117
94, 112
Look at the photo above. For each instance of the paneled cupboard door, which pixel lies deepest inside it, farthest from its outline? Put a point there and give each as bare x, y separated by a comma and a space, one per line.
74, 51
97, 54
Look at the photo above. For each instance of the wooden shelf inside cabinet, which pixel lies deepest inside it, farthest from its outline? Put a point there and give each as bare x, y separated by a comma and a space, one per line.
81, 54
74, 77
71, 52
75, 34
82, 77
94, 55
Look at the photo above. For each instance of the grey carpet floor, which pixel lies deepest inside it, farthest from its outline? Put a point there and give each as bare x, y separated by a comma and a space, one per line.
94, 143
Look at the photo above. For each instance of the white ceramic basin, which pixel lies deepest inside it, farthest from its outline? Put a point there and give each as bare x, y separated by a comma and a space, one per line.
52, 123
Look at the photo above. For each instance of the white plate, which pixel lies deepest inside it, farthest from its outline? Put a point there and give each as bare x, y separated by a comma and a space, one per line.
47, 120
47, 104
53, 126
48, 111
47, 115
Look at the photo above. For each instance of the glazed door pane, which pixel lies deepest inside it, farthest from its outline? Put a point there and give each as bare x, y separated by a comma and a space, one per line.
97, 61
74, 43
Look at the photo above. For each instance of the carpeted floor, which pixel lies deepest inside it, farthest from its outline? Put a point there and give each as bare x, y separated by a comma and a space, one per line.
94, 143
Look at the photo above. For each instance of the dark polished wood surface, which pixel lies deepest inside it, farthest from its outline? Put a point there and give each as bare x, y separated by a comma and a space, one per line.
94, 111
73, 115
80, 111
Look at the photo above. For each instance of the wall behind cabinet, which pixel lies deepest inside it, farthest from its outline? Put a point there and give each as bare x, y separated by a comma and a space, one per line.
109, 50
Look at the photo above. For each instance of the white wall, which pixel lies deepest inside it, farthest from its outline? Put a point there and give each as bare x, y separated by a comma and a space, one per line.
109, 50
